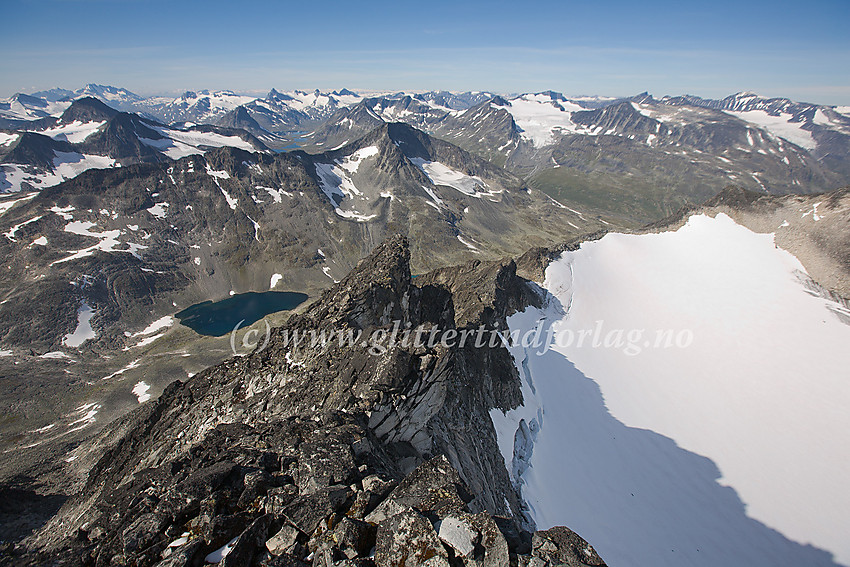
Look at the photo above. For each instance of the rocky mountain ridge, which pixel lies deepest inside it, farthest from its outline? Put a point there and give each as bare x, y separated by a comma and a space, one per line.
321, 454
92, 135
641, 158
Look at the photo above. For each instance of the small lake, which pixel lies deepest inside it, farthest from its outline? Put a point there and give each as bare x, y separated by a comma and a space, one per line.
217, 318
297, 138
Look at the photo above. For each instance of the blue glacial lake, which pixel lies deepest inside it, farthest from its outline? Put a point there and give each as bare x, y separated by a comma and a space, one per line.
217, 318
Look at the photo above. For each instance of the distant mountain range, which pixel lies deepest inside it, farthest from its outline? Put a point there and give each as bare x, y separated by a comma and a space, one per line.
638, 158
89, 134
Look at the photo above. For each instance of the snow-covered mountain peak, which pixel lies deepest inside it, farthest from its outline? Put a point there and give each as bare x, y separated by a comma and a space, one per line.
29, 107
108, 93
202, 107
55, 94
743, 95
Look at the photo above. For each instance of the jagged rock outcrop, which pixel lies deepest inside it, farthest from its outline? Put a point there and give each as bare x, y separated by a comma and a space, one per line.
378, 450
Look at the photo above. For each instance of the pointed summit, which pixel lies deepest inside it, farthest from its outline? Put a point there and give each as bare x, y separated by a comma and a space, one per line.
87, 109
239, 117
373, 290
278, 96
643, 98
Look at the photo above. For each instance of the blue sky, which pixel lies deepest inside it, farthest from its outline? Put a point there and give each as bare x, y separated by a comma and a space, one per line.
776, 48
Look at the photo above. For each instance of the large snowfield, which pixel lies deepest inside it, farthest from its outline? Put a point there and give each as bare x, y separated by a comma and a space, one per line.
724, 443
540, 117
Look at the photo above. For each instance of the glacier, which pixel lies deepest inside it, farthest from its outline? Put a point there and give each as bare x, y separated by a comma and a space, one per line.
722, 444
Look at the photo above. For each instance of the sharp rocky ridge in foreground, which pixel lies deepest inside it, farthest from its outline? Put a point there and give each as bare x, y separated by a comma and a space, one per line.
330, 454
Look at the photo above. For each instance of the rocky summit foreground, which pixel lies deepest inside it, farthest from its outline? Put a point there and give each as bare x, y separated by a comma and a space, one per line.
342, 453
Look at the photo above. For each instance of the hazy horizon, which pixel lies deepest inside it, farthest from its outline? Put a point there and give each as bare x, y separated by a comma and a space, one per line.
620, 49
366, 92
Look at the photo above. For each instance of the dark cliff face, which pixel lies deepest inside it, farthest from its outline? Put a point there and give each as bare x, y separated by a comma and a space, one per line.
34, 149
366, 452
87, 109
